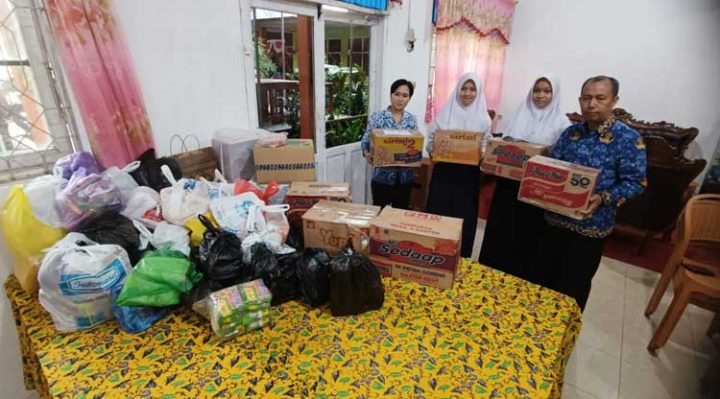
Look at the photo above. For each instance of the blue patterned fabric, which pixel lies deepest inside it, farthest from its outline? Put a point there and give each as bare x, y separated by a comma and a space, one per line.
384, 120
374, 4
619, 152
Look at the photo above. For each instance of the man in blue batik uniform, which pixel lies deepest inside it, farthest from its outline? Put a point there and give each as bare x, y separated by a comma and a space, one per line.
571, 250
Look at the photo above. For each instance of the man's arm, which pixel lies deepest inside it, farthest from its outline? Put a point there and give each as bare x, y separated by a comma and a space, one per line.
631, 173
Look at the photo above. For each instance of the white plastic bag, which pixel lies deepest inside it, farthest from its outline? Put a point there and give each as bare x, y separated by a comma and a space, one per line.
76, 278
144, 206
240, 215
122, 179
219, 187
41, 195
276, 219
185, 199
170, 236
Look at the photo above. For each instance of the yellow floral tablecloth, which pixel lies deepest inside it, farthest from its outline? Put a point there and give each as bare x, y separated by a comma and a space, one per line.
491, 336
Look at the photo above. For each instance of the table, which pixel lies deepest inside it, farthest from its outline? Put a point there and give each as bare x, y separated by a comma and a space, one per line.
492, 336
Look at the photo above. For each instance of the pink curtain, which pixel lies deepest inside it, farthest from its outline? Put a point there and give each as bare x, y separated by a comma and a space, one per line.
95, 57
472, 35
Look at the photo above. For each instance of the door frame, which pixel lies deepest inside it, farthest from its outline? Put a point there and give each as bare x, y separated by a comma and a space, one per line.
371, 18
318, 76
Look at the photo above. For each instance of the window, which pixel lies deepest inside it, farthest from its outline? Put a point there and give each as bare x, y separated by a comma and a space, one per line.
35, 127
333, 52
359, 53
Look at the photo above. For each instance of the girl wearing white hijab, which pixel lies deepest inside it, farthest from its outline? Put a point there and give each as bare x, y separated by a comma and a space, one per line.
455, 189
539, 119
513, 227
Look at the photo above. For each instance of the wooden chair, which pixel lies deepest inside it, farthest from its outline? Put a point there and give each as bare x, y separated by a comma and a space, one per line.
694, 266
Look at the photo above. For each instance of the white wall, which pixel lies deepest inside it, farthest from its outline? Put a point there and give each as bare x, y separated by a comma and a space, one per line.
397, 63
665, 53
188, 59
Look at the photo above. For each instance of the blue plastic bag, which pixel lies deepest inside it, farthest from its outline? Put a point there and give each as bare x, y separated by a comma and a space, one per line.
135, 319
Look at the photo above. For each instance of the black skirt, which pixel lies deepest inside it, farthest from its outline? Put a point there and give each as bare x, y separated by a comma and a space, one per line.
512, 233
455, 191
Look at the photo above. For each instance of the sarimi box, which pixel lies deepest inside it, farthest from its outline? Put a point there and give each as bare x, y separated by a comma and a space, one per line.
558, 186
455, 146
416, 246
294, 161
330, 224
506, 158
303, 195
396, 147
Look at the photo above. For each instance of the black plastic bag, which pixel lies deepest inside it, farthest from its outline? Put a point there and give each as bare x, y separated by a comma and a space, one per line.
149, 173
113, 228
295, 238
355, 284
312, 271
220, 256
278, 273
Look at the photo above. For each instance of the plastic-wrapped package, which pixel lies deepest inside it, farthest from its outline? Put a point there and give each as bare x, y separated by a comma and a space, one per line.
166, 236
158, 280
122, 179
76, 278
85, 195
26, 237
240, 308
71, 163
135, 319
113, 228
355, 284
144, 206
41, 193
185, 199
312, 268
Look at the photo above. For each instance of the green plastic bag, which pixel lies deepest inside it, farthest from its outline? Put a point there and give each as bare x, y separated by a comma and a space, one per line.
159, 279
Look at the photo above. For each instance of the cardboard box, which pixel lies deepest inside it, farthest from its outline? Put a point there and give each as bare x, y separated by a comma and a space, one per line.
396, 147
416, 246
557, 186
330, 224
455, 146
421, 185
292, 162
303, 195
507, 158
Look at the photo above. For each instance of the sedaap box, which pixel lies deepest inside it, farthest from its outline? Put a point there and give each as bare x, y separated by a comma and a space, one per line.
396, 147
330, 224
557, 186
294, 161
455, 146
416, 246
507, 158
303, 195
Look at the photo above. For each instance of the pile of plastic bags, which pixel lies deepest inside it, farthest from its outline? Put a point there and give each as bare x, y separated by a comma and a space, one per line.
132, 243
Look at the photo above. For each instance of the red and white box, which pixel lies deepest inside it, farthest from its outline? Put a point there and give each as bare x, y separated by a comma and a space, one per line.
507, 158
302, 195
558, 186
416, 246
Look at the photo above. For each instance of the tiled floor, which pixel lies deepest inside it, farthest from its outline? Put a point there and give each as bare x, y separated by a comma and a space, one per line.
610, 360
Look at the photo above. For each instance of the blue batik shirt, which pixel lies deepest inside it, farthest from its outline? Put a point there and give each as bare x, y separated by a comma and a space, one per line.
619, 153
384, 120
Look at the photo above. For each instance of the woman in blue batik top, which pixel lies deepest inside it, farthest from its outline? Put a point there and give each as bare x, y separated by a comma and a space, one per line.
391, 185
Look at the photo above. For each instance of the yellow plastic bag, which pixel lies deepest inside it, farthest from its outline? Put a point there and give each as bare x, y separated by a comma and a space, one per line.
26, 237
197, 229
